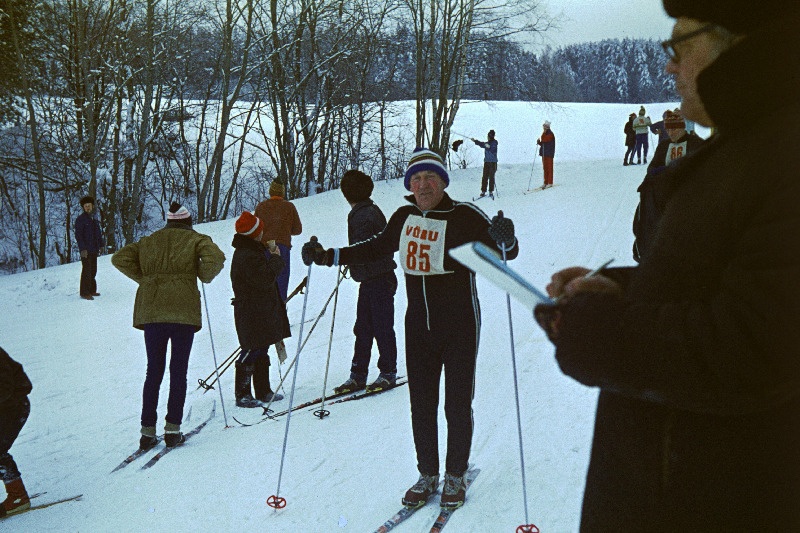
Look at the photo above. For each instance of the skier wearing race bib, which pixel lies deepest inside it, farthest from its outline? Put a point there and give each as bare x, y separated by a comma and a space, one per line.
442, 320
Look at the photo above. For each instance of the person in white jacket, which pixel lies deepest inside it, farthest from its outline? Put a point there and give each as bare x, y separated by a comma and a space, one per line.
641, 125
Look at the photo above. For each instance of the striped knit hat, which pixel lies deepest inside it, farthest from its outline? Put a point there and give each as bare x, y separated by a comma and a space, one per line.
178, 213
249, 225
424, 159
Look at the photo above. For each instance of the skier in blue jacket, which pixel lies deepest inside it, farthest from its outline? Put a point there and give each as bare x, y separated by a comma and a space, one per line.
489, 162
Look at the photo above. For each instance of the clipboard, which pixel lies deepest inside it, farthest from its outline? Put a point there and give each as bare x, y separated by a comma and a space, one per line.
484, 261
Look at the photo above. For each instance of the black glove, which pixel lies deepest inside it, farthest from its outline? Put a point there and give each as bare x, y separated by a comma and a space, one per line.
310, 251
323, 257
502, 230
549, 318
539, 142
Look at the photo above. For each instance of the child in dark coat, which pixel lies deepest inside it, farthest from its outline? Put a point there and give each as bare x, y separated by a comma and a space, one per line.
259, 311
14, 410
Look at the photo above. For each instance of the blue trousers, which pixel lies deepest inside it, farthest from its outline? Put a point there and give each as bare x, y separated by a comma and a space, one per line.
641, 140
156, 337
375, 320
283, 277
13, 414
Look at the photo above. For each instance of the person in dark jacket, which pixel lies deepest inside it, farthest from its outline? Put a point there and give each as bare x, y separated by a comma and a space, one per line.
258, 310
696, 351
443, 314
547, 150
630, 140
652, 192
90, 243
167, 265
376, 290
14, 410
489, 162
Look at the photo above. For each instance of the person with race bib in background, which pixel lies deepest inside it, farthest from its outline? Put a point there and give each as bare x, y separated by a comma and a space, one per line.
443, 319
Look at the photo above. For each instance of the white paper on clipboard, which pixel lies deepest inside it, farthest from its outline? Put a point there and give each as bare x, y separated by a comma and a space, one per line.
484, 261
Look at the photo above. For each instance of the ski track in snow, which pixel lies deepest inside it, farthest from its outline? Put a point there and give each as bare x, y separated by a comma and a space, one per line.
348, 471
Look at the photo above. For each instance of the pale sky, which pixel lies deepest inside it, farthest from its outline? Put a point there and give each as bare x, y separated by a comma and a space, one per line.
595, 20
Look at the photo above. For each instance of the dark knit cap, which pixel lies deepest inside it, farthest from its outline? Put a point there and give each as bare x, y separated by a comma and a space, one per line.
356, 186
87, 200
736, 16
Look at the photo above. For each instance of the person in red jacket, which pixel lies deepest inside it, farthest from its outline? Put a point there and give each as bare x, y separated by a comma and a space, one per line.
547, 149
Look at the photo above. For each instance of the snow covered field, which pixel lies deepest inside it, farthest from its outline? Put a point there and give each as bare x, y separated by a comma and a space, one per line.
346, 472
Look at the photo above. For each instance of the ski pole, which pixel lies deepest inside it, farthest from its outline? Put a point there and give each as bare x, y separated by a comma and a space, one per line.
527, 527
276, 501
533, 165
204, 383
308, 336
322, 412
214, 352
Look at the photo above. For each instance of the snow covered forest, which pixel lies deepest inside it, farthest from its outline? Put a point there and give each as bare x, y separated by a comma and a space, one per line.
143, 102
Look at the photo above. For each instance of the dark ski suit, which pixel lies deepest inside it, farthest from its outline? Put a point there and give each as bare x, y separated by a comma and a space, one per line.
442, 318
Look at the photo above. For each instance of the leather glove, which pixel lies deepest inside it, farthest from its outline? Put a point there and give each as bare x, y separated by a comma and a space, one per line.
502, 230
84, 254
549, 318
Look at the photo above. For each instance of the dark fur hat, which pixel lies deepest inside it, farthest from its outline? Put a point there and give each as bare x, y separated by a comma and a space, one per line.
356, 186
736, 16
87, 200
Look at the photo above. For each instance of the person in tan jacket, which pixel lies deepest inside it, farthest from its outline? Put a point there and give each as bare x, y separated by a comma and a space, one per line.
166, 265
281, 221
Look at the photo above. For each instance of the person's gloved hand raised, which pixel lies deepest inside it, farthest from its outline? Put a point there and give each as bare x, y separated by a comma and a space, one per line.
502, 230
313, 252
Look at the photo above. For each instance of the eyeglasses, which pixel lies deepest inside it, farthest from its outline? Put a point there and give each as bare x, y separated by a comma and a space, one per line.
669, 44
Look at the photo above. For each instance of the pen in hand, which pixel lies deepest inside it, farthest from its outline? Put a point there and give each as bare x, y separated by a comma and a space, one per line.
589, 274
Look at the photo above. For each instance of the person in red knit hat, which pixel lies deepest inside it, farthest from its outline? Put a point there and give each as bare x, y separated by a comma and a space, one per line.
259, 312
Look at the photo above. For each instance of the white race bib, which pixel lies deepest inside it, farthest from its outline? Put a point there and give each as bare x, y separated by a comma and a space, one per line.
675, 151
422, 246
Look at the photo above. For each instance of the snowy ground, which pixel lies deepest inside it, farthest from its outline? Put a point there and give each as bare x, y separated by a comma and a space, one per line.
348, 471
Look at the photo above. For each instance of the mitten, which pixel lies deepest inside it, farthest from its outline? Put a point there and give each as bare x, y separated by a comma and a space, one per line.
549, 318
323, 257
310, 250
502, 230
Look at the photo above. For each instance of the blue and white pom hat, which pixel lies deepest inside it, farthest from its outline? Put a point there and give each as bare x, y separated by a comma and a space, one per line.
424, 159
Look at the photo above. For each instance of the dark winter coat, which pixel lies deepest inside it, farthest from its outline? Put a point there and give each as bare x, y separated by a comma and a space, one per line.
654, 191
366, 220
14, 384
167, 265
630, 134
258, 310
88, 234
547, 144
698, 419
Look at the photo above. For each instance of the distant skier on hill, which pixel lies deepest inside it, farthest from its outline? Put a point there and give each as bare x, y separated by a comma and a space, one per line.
489, 162
547, 149
641, 125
